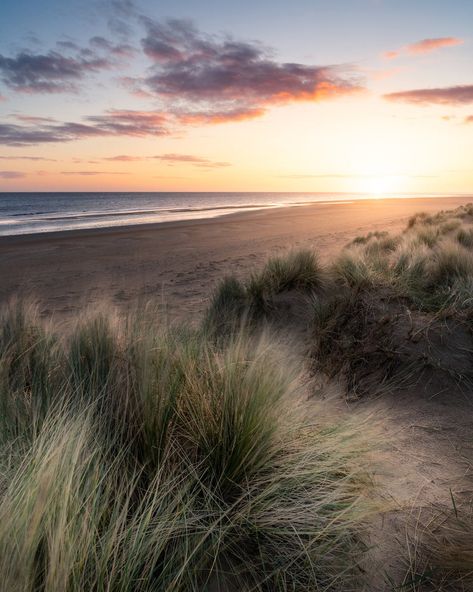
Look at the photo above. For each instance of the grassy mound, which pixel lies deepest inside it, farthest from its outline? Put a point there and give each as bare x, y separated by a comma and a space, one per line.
376, 342
430, 264
389, 310
135, 457
234, 302
400, 308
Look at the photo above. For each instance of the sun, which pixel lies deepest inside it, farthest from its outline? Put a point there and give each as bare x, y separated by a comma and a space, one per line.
378, 185
381, 185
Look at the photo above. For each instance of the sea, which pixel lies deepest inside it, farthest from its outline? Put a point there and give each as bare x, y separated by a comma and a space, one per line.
31, 213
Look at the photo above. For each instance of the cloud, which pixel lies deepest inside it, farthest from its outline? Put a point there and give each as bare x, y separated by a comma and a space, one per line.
47, 73
92, 173
469, 119
429, 45
127, 122
171, 159
11, 175
22, 135
120, 49
111, 123
193, 160
121, 14
34, 158
33, 118
60, 70
125, 158
216, 116
208, 79
450, 95
198, 79
424, 46
67, 45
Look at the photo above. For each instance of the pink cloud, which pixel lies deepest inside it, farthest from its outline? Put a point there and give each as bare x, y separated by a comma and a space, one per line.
125, 158
198, 161
92, 173
33, 158
450, 95
217, 79
391, 55
171, 158
424, 46
429, 45
11, 175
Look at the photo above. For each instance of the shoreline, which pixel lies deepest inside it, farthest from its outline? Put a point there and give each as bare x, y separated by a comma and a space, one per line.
178, 263
117, 229
156, 225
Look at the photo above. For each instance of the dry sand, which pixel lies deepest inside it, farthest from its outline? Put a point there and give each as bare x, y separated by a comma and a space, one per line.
179, 263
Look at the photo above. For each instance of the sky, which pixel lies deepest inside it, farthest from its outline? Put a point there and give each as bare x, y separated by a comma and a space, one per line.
371, 96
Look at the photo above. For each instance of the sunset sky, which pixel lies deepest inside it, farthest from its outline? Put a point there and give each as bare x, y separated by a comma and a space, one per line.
257, 95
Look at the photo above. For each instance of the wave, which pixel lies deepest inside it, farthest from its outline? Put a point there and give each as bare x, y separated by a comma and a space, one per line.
116, 213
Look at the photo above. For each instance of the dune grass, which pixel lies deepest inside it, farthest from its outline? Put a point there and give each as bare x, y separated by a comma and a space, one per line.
139, 457
235, 301
430, 264
422, 275
393, 312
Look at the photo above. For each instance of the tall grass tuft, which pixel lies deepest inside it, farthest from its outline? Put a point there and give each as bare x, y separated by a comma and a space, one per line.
465, 237
228, 305
234, 303
28, 369
298, 270
162, 460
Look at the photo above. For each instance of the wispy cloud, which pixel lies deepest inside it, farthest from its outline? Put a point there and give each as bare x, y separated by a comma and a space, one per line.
33, 158
120, 15
172, 159
424, 46
11, 175
122, 50
210, 79
60, 70
111, 123
47, 73
125, 158
216, 116
128, 122
449, 95
469, 119
197, 161
429, 45
93, 173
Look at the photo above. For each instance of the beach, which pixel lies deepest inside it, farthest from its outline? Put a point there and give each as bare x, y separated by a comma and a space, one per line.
178, 263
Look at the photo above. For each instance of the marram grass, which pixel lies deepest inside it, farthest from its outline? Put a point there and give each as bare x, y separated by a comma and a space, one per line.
135, 457
235, 302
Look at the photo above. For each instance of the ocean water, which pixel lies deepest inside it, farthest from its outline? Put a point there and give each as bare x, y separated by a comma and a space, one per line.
30, 213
